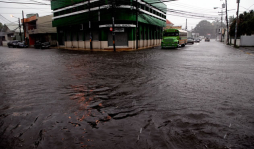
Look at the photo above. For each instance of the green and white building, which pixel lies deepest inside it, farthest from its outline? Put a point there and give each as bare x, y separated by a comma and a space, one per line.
78, 21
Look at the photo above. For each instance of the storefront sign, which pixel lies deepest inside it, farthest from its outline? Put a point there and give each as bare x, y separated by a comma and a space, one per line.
119, 29
117, 25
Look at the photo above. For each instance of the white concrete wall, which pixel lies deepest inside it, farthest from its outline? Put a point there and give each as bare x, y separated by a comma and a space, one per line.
87, 44
152, 42
237, 42
75, 44
145, 43
81, 44
141, 43
68, 44
104, 44
247, 41
96, 44
132, 44
5, 43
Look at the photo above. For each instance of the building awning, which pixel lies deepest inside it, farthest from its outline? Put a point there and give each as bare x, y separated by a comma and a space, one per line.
117, 25
151, 20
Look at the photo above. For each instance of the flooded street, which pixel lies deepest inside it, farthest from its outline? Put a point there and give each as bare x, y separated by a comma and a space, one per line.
199, 96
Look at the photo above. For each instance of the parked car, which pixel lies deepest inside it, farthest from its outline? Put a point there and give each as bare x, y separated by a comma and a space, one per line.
22, 44
190, 40
41, 45
207, 39
13, 43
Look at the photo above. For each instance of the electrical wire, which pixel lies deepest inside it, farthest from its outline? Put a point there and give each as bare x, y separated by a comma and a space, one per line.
23, 3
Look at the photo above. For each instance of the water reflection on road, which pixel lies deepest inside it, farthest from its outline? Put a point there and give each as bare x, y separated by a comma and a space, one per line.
194, 97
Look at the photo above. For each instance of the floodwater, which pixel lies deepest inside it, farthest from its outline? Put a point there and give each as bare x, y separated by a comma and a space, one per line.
200, 96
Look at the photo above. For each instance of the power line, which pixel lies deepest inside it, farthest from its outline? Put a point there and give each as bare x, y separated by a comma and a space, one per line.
24, 3
21, 8
5, 18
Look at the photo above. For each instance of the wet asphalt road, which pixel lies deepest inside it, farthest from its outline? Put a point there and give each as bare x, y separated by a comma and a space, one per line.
200, 96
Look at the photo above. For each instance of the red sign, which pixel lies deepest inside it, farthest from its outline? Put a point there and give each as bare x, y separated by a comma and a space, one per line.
111, 29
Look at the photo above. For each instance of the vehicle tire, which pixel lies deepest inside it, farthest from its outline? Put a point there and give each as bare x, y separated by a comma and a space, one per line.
9, 46
183, 45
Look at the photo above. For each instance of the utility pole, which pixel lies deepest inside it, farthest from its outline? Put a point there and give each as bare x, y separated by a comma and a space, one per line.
113, 24
221, 26
237, 1
227, 21
23, 26
90, 27
137, 30
20, 31
186, 25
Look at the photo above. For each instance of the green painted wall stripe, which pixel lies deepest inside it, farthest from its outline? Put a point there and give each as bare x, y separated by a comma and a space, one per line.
122, 15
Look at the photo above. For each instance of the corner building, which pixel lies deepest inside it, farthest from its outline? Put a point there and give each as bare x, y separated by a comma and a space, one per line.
80, 22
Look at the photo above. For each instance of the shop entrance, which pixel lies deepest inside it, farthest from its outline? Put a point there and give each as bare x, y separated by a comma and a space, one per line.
121, 39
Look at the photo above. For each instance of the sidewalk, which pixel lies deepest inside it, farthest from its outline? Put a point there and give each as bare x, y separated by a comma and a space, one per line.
247, 50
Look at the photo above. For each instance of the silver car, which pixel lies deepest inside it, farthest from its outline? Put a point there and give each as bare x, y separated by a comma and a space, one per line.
190, 40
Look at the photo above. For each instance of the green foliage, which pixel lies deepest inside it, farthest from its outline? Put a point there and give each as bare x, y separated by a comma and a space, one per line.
245, 24
205, 27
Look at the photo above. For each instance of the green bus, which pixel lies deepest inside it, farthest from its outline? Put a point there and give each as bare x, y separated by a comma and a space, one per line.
173, 38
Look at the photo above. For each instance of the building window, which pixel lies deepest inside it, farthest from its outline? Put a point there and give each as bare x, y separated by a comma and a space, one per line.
68, 11
56, 14
74, 9
81, 8
62, 12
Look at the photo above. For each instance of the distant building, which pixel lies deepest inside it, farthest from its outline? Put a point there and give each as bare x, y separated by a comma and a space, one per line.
40, 28
2, 37
12, 32
168, 25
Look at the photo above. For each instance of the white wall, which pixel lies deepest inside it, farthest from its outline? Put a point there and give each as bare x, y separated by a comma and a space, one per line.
247, 41
237, 42
5, 43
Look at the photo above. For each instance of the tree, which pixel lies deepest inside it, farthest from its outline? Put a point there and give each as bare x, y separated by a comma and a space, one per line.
205, 27
245, 24
1, 26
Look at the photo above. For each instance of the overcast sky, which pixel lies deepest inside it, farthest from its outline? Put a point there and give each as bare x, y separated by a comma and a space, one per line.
200, 7
205, 7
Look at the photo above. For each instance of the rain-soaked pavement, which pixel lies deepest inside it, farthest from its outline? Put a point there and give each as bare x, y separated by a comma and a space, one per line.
200, 96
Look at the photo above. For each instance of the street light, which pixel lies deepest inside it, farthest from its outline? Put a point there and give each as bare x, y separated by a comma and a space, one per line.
223, 6
19, 27
221, 21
